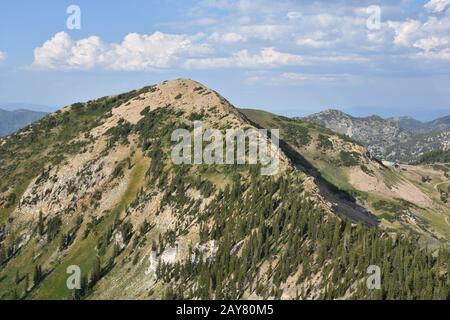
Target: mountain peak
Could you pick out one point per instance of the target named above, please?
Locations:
(97, 184)
(186, 95)
(333, 111)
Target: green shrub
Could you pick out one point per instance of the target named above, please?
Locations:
(435, 156)
(53, 228)
(324, 142)
(349, 159)
(389, 206)
(297, 134)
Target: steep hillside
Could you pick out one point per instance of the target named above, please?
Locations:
(415, 126)
(11, 121)
(410, 124)
(378, 134)
(439, 124)
(93, 187)
(402, 197)
(437, 156)
(420, 144)
(388, 139)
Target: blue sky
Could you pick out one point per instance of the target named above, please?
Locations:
(288, 57)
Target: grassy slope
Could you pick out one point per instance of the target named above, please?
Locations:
(333, 173)
(83, 252)
(435, 218)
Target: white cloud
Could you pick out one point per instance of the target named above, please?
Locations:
(61, 52)
(2, 56)
(135, 52)
(207, 21)
(220, 4)
(339, 58)
(443, 55)
(294, 76)
(233, 37)
(405, 32)
(240, 5)
(264, 31)
(247, 34)
(437, 5)
(266, 58)
(294, 15)
(229, 37)
(315, 40)
(432, 43)
(159, 50)
(429, 39)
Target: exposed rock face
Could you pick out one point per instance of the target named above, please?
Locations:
(108, 176)
(396, 139)
(94, 186)
(414, 126)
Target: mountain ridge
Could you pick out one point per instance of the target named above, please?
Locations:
(93, 186)
(11, 121)
(415, 126)
(398, 139)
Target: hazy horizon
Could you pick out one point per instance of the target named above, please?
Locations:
(389, 59)
(290, 112)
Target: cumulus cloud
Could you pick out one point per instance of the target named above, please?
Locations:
(248, 31)
(431, 37)
(228, 37)
(249, 35)
(313, 43)
(318, 39)
(267, 57)
(135, 52)
(432, 43)
(61, 52)
(154, 51)
(437, 5)
(2, 56)
(294, 76)
(405, 32)
(264, 31)
(286, 78)
(443, 55)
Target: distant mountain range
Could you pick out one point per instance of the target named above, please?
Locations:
(26, 106)
(415, 126)
(11, 121)
(399, 138)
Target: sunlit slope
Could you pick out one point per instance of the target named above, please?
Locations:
(404, 197)
(94, 187)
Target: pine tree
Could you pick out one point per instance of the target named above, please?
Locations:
(96, 272)
(26, 282)
(37, 275)
(40, 224)
(17, 277)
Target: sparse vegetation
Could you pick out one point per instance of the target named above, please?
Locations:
(389, 206)
(349, 159)
(437, 156)
(298, 134)
(324, 142)
(213, 231)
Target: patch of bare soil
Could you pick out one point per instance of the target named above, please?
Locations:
(404, 190)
